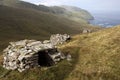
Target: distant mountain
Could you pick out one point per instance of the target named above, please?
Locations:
(31, 21)
(80, 13)
(23, 5)
(20, 20)
(70, 12)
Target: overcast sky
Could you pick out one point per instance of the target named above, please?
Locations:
(90, 5)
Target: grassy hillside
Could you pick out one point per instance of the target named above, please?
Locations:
(23, 4)
(95, 56)
(99, 54)
(20, 20)
(17, 23)
(70, 12)
(77, 14)
(26, 21)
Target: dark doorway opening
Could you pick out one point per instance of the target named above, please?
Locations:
(44, 59)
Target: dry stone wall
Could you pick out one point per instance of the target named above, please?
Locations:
(22, 55)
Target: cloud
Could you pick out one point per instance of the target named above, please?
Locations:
(90, 5)
(49, 2)
(55, 2)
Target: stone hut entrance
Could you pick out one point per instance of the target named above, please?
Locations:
(25, 54)
(44, 59)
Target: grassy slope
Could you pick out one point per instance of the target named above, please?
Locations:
(99, 55)
(95, 56)
(26, 20)
(18, 24)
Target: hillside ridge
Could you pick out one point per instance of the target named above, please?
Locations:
(70, 12)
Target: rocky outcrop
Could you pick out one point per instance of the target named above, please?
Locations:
(86, 31)
(24, 54)
(59, 39)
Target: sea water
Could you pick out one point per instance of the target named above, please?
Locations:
(106, 19)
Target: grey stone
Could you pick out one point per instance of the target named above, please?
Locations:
(59, 39)
(24, 54)
(46, 41)
(69, 57)
(86, 31)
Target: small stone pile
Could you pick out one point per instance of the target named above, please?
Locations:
(59, 39)
(24, 54)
